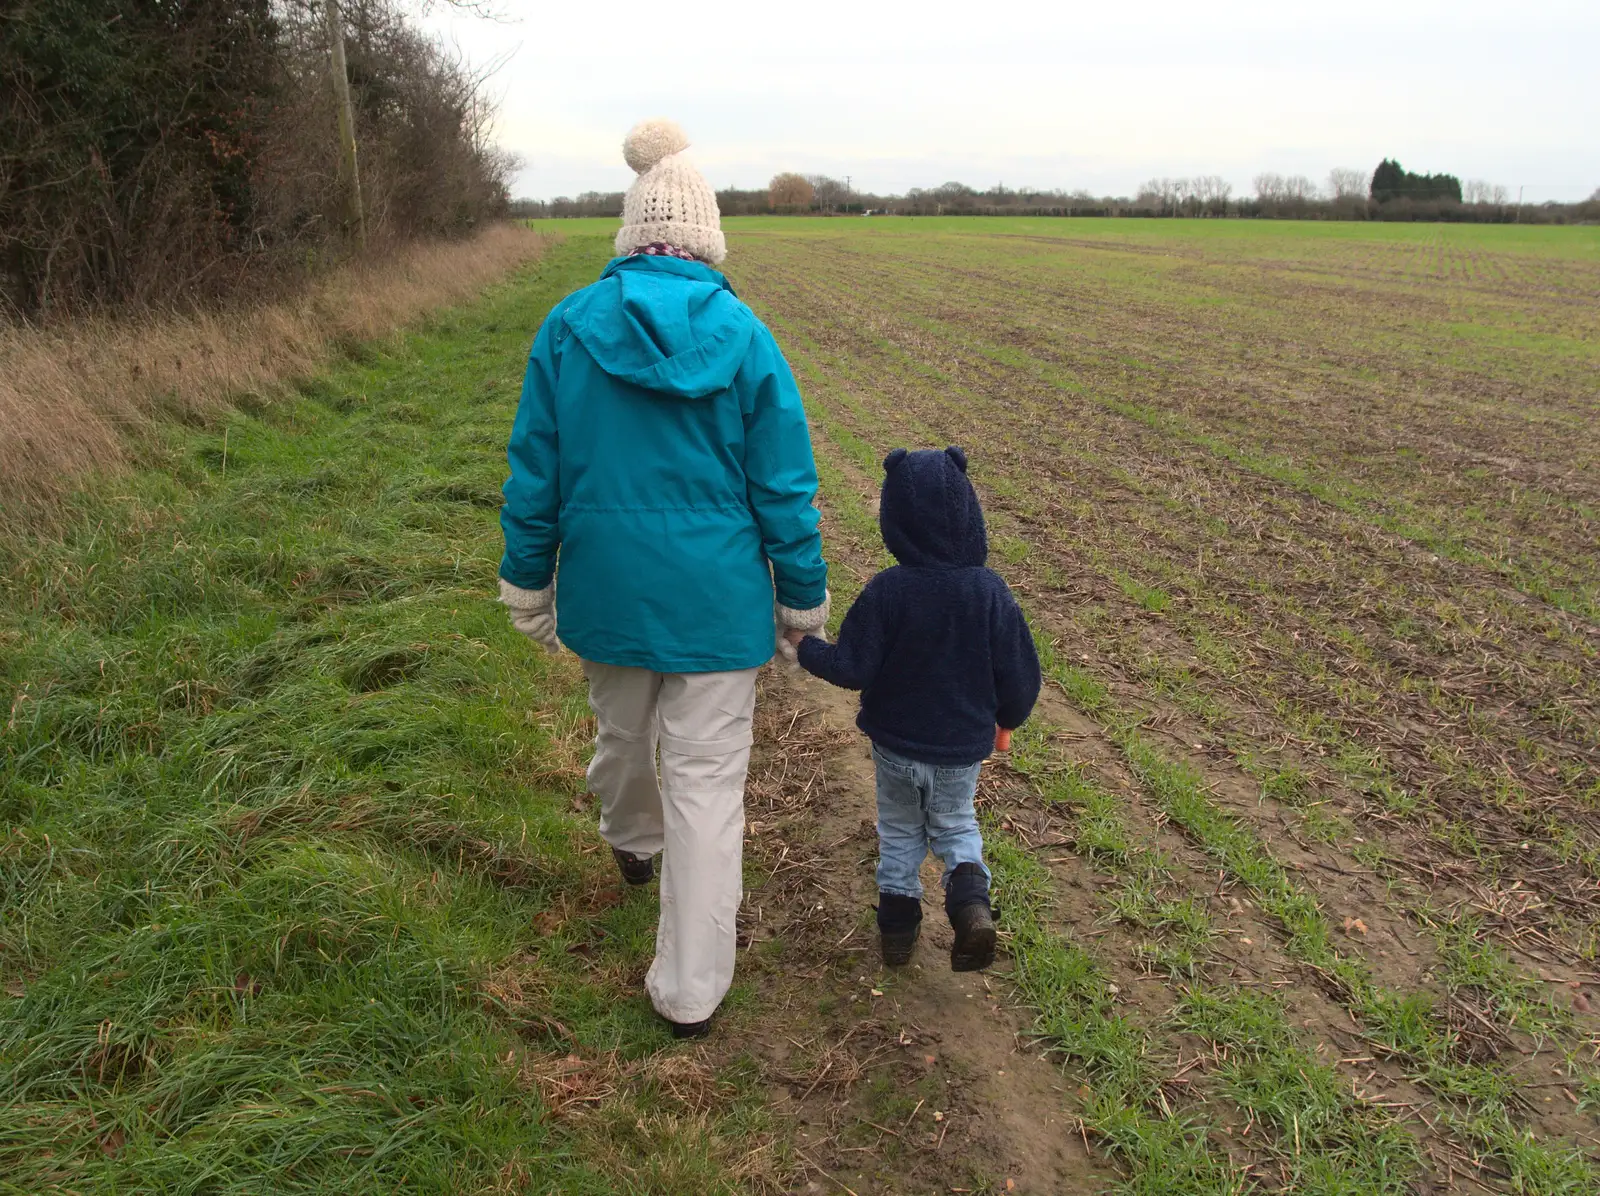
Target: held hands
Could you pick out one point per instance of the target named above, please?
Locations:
(1002, 740)
(789, 643)
(795, 625)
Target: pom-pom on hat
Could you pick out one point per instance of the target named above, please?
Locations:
(670, 201)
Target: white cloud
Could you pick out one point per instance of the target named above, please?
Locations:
(900, 95)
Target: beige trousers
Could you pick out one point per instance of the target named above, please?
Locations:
(692, 811)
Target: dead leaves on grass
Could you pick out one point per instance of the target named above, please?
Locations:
(838, 1067)
(655, 1121)
(788, 772)
(571, 1085)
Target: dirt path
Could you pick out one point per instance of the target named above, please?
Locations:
(910, 1080)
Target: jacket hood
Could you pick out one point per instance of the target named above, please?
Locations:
(929, 513)
(668, 325)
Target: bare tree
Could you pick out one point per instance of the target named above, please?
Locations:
(1299, 188)
(1211, 192)
(827, 193)
(1345, 182)
(1480, 191)
(1165, 194)
(1197, 196)
(789, 191)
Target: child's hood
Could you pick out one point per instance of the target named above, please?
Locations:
(929, 514)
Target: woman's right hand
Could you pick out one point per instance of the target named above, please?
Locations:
(533, 612)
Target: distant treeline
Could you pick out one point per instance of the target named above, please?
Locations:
(1391, 193)
(153, 153)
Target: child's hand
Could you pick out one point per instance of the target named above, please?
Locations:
(794, 635)
(1002, 740)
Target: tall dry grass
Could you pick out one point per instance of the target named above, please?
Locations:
(75, 400)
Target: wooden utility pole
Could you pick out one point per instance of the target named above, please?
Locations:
(349, 175)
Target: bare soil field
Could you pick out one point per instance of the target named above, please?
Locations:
(1306, 520)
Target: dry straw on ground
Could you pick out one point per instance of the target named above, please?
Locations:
(73, 400)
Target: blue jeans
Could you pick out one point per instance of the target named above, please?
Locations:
(922, 806)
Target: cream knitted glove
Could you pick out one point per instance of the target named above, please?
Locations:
(533, 612)
(812, 622)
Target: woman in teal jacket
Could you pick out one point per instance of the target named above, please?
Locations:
(662, 482)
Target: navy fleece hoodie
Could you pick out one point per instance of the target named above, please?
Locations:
(937, 645)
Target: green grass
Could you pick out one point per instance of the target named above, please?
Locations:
(293, 896)
(1406, 1026)
(1323, 1139)
(1329, 1142)
(1486, 1109)
(1472, 961)
(1158, 1153)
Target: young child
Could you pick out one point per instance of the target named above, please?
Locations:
(946, 668)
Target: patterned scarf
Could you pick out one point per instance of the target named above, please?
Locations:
(662, 249)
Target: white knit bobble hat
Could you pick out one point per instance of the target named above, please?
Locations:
(670, 201)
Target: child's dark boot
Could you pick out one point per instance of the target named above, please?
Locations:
(899, 919)
(966, 902)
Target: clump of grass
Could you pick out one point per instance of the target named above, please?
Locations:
(1329, 1141)
(1473, 962)
(1013, 550)
(1151, 598)
(1083, 689)
(1182, 928)
(1098, 826)
(1289, 785)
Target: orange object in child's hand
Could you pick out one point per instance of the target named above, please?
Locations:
(1002, 740)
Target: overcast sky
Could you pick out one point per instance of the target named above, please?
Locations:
(1050, 94)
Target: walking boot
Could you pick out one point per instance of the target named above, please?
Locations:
(690, 1029)
(966, 903)
(899, 919)
(635, 869)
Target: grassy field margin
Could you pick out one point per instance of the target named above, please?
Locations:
(296, 890)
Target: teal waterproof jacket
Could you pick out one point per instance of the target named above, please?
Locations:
(660, 453)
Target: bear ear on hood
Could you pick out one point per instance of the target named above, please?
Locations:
(958, 456)
(894, 458)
